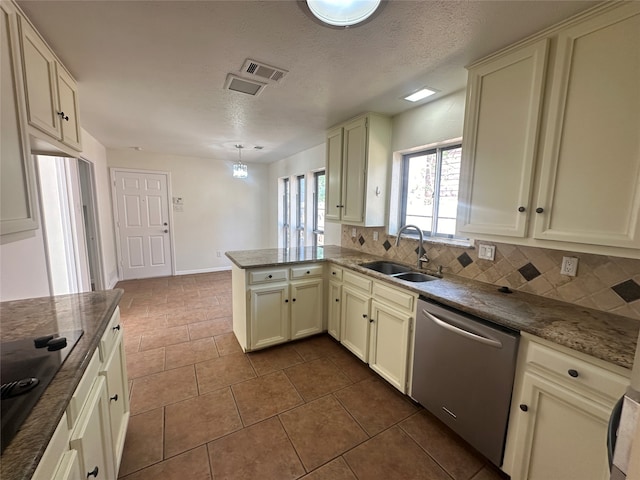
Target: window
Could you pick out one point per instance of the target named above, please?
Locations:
(430, 181)
(286, 222)
(318, 208)
(300, 210)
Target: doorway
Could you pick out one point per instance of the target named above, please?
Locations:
(63, 224)
(141, 210)
(91, 224)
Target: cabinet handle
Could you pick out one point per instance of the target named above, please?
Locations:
(166, 231)
(337, 299)
(63, 116)
(364, 315)
(539, 210)
(269, 276)
(114, 398)
(93, 473)
(308, 272)
(371, 320)
(286, 300)
(333, 273)
(573, 373)
(339, 206)
(293, 300)
(523, 407)
(117, 327)
(521, 209)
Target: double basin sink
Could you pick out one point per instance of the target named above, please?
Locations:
(401, 272)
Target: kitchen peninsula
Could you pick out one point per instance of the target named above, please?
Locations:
(93, 370)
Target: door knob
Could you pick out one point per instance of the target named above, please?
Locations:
(573, 373)
(521, 209)
(539, 210)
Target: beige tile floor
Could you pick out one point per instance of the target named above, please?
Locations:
(202, 409)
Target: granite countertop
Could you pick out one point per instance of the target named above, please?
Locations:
(32, 317)
(602, 335)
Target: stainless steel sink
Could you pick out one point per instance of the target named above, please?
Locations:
(415, 277)
(396, 270)
(388, 268)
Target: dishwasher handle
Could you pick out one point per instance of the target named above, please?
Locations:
(464, 333)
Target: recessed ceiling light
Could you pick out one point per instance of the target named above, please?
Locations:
(419, 95)
(343, 13)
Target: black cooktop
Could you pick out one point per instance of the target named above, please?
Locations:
(27, 367)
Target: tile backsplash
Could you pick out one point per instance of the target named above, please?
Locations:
(610, 284)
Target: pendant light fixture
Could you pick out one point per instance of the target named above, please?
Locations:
(239, 168)
(343, 13)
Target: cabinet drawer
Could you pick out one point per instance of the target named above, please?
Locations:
(110, 336)
(307, 271)
(335, 273)
(79, 397)
(393, 296)
(266, 276)
(357, 281)
(576, 371)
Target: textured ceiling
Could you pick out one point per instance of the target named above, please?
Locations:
(151, 73)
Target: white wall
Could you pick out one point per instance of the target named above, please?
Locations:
(433, 122)
(96, 153)
(23, 266)
(304, 162)
(220, 213)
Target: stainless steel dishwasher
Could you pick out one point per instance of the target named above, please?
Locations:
(463, 371)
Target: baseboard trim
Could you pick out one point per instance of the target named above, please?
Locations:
(203, 270)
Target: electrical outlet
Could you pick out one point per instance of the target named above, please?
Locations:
(375, 236)
(569, 266)
(353, 233)
(487, 252)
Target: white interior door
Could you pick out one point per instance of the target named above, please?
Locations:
(143, 224)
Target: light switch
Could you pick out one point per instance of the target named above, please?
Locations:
(487, 252)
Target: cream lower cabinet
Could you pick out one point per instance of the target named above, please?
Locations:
(91, 437)
(276, 305)
(356, 310)
(59, 462)
(377, 321)
(560, 409)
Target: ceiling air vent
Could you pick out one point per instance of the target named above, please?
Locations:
(242, 85)
(264, 71)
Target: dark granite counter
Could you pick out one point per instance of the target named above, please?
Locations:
(602, 335)
(28, 318)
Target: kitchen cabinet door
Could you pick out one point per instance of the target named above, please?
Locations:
(355, 322)
(334, 308)
(353, 171)
(269, 315)
(69, 468)
(389, 348)
(589, 183)
(114, 371)
(70, 125)
(92, 435)
(561, 433)
(40, 82)
(504, 102)
(307, 307)
(334, 175)
(17, 178)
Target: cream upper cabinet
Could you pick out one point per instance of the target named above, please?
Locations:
(334, 174)
(17, 179)
(551, 153)
(504, 101)
(50, 92)
(590, 180)
(560, 409)
(358, 158)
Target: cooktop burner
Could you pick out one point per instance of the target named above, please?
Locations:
(27, 367)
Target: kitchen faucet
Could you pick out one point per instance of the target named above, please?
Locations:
(422, 258)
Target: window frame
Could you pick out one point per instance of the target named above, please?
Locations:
(404, 184)
(317, 231)
(286, 212)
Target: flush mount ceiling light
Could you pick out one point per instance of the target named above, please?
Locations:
(342, 13)
(239, 168)
(420, 94)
